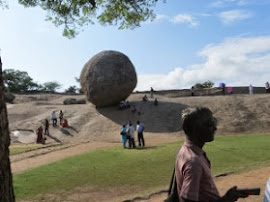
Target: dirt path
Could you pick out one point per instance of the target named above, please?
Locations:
(39, 157)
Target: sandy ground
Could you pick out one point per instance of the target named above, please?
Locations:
(92, 128)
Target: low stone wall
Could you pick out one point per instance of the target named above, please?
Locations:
(206, 91)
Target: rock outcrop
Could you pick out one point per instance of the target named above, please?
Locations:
(70, 101)
(9, 97)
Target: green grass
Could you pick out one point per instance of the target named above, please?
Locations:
(146, 169)
(14, 150)
(19, 150)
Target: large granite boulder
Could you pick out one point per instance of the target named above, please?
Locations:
(107, 78)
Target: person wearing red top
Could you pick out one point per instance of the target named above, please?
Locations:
(192, 167)
(65, 123)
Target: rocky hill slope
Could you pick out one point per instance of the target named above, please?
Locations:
(236, 114)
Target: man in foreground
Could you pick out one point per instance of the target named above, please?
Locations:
(192, 168)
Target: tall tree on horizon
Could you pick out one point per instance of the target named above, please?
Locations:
(6, 186)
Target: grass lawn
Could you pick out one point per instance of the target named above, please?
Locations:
(18, 149)
(148, 169)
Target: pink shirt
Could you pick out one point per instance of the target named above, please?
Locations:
(193, 174)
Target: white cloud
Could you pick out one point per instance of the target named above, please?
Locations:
(233, 15)
(160, 17)
(237, 61)
(224, 3)
(185, 18)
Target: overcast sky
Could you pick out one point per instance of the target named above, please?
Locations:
(189, 42)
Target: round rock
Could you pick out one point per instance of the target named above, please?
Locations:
(107, 78)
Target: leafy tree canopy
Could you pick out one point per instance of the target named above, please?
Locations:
(3, 4)
(206, 84)
(71, 14)
(72, 89)
(18, 81)
(51, 86)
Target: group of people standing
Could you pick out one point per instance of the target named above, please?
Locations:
(128, 134)
(40, 135)
(54, 117)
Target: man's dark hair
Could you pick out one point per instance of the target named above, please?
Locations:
(193, 118)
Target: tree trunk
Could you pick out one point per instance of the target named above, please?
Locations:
(6, 188)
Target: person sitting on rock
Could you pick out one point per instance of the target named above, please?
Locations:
(145, 99)
(127, 104)
(65, 123)
(122, 104)
(133, 110)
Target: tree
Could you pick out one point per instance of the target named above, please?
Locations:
(78, 80)
(18, 81)
(206, 84)
(51, 86)
(72, 14)
(72, 89)
(6, 188)
(198, 86)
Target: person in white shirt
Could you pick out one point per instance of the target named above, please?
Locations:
(131, 131)
(140, 129)
(250, 89)
(53, 118)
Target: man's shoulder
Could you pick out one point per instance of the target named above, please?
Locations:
(188, 155)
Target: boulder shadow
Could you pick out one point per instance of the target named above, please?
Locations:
(165, 117)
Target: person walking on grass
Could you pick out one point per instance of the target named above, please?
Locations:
(140, 129)
(192, 167)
